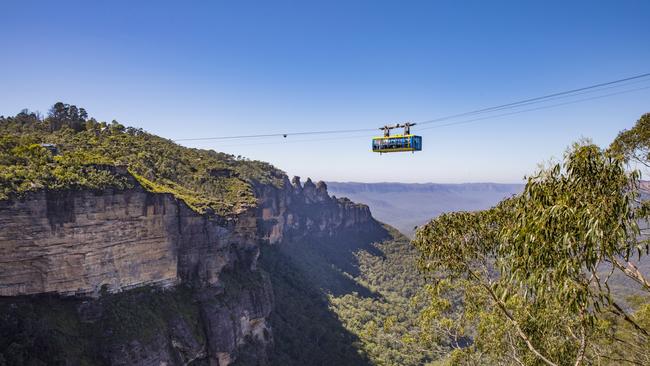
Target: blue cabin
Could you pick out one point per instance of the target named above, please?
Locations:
(397, 143)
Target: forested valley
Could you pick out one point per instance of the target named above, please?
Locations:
(555, 275)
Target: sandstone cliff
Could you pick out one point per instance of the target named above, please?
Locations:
(85, 245)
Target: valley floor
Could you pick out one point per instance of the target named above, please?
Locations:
(347, 302)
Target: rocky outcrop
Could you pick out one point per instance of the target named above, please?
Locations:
(82, 244)
(296, 211)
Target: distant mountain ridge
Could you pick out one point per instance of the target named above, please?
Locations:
(407, 205)
(421, 187)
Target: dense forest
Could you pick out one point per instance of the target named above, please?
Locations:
(352, 301)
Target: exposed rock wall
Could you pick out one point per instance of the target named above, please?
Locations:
(78, 242)
(82, 243)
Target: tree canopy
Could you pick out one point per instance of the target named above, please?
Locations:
(634, 144)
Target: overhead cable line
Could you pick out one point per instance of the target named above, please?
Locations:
(536, 108)
(512, 105)
(456, 122)
(277, 135)
(283, 141)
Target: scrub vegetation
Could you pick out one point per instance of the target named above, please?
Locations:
(68, 150)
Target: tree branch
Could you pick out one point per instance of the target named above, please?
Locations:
(616, 359)
(633, 272)
(621, 312)
(583, 342)
(514, 322)
(514, 351)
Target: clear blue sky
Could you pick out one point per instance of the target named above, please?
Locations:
(191, 69)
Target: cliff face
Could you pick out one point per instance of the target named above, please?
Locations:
(85, 245)
(80, 242)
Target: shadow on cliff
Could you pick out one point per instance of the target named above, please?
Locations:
(303, 272)
(331, 265)
(130, 327)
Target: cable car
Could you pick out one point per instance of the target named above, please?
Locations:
(397, 143)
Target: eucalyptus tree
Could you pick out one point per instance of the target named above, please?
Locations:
(532, 274)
